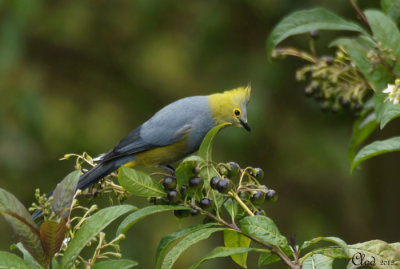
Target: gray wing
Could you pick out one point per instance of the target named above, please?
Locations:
(166, 127)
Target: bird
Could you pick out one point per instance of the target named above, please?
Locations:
(172, 133)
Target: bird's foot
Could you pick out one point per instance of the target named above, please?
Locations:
(168, 167)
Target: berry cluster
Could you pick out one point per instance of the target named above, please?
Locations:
(197, 193)
(335, 82)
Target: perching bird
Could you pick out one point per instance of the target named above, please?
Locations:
(174, 132)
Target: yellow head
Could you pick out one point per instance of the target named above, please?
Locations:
(231, 106)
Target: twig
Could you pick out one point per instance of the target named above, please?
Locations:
(360, 13)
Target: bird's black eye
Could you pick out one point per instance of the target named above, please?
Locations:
(237, 112)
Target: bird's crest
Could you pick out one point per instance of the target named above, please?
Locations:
(241, 94)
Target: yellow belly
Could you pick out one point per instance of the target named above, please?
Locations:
(161, 155)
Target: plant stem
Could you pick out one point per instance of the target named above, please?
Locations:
(273, 248)
(360, 13)
(295, 52)
(243, 205)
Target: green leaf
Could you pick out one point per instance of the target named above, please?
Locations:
(205, 150)
(267, 258)
(232, 207)
(221, 252)
(305, 21)
(386, 32)
(52, 234)
(335, 240)
(385, 111)
(115, 264)
(185, 243)
(376, 148)
(318, 261)
(90, 228)
(264, 229)
(32, 263)
(168, 240)
(392, 9)
(380, 251)
(362, 129)
(64, 193)
(131, 219)
(185, 170)
(9, 260)
(139, 183)
(385, 255)
(22, 224)
(233, 239)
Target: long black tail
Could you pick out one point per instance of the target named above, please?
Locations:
(92, 176)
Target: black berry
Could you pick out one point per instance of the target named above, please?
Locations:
(183, 190)
(224, 185)
(173, 196)
(234, 169)
(196, 182)
(314, 34)
(271, 195)
(169, 183)
(258, 173)
(214, 181)
(195, 212)
(259, 212)
(258, 198)
(205, 203)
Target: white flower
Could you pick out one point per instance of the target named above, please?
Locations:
(393, 92)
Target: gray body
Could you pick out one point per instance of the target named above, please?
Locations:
(189, 116)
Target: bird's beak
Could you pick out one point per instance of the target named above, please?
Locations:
(245, 124)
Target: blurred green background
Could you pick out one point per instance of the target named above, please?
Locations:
(79, 75)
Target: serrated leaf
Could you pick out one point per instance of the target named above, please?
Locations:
(376, 148)
(139, 183)
(90, 228)
(205, 150)
(184, 171)
(22, 224)
(233, 239)
(64, 193)
(52, 234)
(332, 239)
(221, 252)
(185, 243)
(267, 258)
(386, 32)
(169, 239)
(32, 263)
(318, 261)
(131, 219)
(392, 9)
(305, 21)
(117, 264)
(264, 229)
(9, 260)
